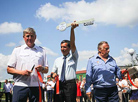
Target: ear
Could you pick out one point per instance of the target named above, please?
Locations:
(99, 50)
(35, 36)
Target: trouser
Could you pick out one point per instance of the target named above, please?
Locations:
(43, 94)
(125, 97)
(120, 96)
(20, 94)
(49, 95)
(8, 95)
(106, 94)
(83, 95)
(67, 91)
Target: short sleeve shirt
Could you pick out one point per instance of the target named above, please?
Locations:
(24, 58)
(71, 65)
(100, 73)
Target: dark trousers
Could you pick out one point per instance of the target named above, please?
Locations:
(8, 95)
(43, 93)
(67, 91)
(106, 94)
(49, 95)
(83, 95)
(125, 97)
(20, 94)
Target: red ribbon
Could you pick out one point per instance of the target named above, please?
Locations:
(123, 71)
(41, 80)
(57, 84)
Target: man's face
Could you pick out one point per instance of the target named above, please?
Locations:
(65, 49)
(29, 39)
(104, 51)
(6, 81)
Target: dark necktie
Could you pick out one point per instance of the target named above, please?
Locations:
(63, 70)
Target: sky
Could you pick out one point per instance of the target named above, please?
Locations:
(115, 21)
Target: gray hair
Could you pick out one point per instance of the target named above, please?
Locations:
(100, 44)
(29, 30)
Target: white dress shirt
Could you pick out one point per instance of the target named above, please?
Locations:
(24, 58)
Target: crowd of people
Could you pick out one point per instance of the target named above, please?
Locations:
(126, 91)
(29, 62)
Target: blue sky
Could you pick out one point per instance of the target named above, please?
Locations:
(116, 21)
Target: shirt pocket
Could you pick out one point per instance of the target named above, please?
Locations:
(24, 57)
(71, 63)
(38, 59)
(23, 61)
(97, 66)
(111, 67)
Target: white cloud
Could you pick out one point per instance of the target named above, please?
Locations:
(124, 58)
(11, 44)
(119, 12)
(135, 45)
(50, 52)
(37, 42)
(6, 28)
(21, 42)
(85, 55)
(3, 65)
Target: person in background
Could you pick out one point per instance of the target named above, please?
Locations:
(65, 67)
(43, 91)
(7, 90)
(125, 88)
(11, 87)
(53, 85)
(21, 63)
(83, 92)
(102, 71)
(119, 86)
(134, 91)
(78, 83)
(49, 90)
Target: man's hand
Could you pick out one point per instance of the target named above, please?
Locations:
(26, 72)
(42, 69)
(54, 75)
(89, 95)
(74, 25)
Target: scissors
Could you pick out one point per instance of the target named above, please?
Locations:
(32, 67)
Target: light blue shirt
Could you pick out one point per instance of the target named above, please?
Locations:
(71, 65)
(100, 73)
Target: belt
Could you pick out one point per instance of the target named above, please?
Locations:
(68, 81)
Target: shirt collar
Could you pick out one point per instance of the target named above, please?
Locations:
(66, 56)
(26, 47)
(97, 56)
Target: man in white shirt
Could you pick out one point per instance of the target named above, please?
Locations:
(7, 89)
(49, 90)
(23, 63)
(119, 86)
(65, 66)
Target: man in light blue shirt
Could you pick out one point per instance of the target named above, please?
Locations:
(65, 67)
(102, 71)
